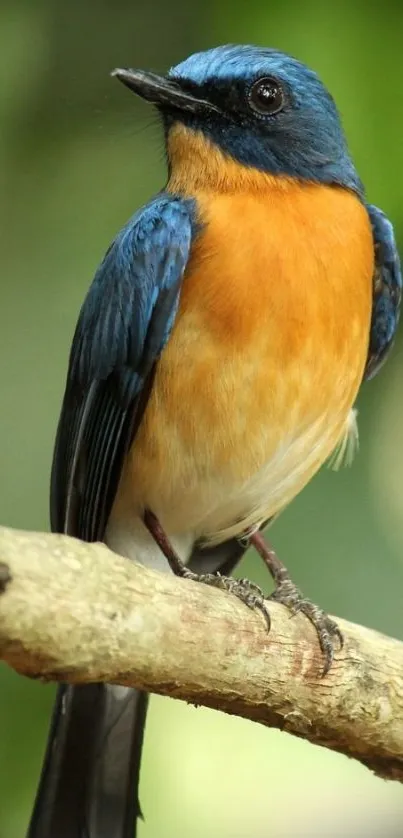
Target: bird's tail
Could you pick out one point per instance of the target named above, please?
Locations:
(88, 787)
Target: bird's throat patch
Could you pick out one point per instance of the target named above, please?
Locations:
(197, 164)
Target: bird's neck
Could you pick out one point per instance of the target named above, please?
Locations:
(198, 165)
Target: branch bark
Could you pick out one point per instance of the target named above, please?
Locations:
(76, 612)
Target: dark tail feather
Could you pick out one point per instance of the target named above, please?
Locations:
(88, 787)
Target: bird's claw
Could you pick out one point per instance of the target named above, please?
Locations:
(243, 589)
(326, 629)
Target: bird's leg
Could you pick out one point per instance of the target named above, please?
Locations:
(243, 589)
(289, 595)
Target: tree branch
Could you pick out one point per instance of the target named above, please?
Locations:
(76, 612)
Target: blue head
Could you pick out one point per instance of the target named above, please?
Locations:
(261, 107)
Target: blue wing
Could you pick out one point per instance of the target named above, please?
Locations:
(387, 292)
(124, 323)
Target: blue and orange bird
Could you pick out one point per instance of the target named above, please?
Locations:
(214, 369)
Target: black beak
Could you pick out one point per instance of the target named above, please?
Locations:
(162, 91)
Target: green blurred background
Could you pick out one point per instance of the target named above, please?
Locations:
(79, 155)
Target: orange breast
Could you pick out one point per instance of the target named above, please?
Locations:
(254, 388)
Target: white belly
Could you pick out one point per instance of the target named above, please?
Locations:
(211, 511)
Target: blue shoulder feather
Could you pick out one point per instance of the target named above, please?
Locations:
(140, 275)
(123, 326)
(387, 292)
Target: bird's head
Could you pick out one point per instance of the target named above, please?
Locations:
(258, 107)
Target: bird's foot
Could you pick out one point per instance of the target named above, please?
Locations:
(250, 594)
(245, 590)
(326, 629)
(286, 593)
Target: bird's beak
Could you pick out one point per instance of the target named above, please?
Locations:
(162, 91)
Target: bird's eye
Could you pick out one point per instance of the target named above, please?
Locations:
(266, 96)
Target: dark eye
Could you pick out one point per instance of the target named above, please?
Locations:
(266, 96)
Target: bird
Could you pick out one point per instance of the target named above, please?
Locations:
(214, 368)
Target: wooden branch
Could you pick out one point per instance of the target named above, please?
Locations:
(76, 612)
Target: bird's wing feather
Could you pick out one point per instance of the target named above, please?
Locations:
(387, 292)
(124, 324)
